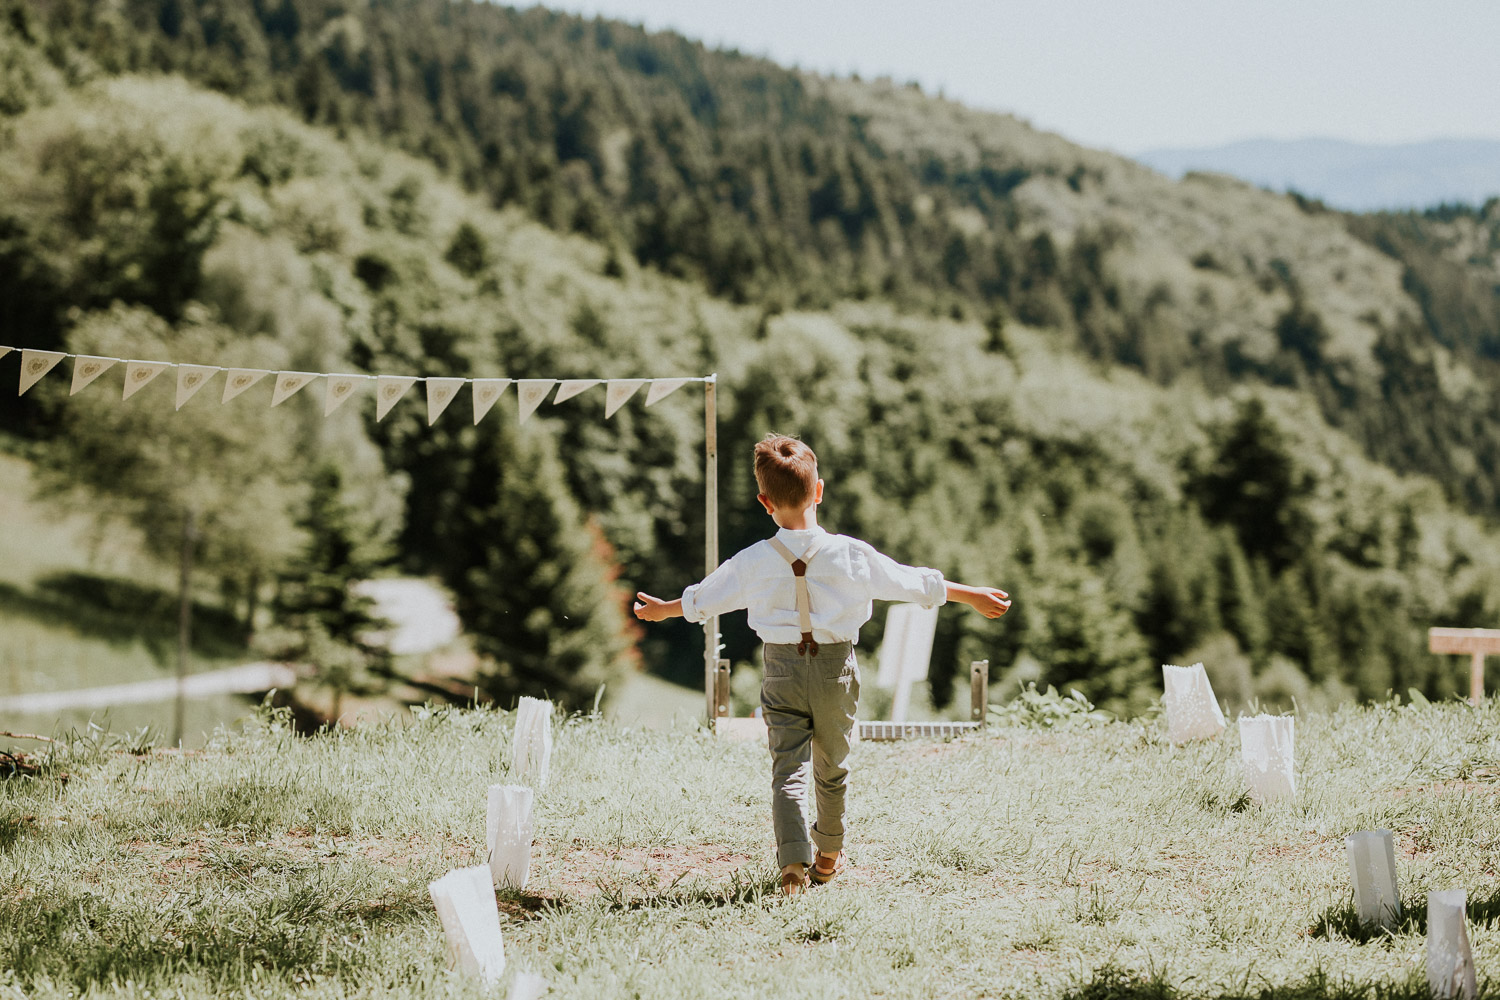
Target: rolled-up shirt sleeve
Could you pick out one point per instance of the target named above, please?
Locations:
(893, 581)
(717, 594)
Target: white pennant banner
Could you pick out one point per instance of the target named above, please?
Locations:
(389, 389)
(440, 392)
(618, 392)
(388, 392)
(237, 380)
(86, 369)
(139, 373)
(486, 391)
(531, 392)
(570, 387)
(35, 364)
(338, 390)
(661, 388)
(191, 378)
(287, 383)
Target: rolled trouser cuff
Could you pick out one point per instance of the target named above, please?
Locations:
(827, 844)
(799, 853)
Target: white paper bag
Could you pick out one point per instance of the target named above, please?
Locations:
(1192, 711)
(1372, 866)
(1267, 752)
(465, 902)
(531, 753)
(1450, 961)
(508, 832)
(527, 986)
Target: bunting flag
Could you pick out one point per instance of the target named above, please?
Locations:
(138, 373)
(618, 392)
(287, 384)
(191, 378)
(440, 392)
(570, 387)
(531, 392)
(486, 391)
(661, 388)
(240, 379)
(388, 392)
(338, 389)
(86, 369)
(35, 364)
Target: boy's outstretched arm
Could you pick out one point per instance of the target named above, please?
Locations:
(987, 601)
(654, 609)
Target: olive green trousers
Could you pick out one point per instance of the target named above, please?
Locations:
(808, 702)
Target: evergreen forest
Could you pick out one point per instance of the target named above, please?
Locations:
(1176, 420)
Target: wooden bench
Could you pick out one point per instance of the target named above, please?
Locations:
(1477, 642)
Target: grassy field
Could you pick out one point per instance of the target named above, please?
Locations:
(1096, 863)
(80, 608)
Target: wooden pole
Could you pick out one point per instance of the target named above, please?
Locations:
(710, 537)
(184, 622)
(979, 690)
(1476, 678)
(721, 690)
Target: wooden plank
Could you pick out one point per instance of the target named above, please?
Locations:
(1476, 679)
(1463, 640)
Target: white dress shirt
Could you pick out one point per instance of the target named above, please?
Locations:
(845, 575)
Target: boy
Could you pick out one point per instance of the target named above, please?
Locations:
(807, 593)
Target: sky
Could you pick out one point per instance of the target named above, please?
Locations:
(1133, 75)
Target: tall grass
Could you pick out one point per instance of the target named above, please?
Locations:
(1091, 863)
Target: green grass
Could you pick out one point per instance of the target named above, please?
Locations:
(81, 608)
(1090, 863)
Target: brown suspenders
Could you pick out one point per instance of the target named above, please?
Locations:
(804, 604)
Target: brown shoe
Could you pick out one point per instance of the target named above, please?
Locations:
(793, 878)
(826, 866)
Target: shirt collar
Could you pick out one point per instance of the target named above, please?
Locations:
(797, 539)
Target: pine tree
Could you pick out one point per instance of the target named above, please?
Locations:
(323, 619)
(530, 577)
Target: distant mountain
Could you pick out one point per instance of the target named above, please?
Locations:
(1351, 175)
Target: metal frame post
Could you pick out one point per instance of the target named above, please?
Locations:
(710, 538)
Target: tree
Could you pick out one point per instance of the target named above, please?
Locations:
(324, 620)
(1253, 484)
(217, 486)
(530, 575)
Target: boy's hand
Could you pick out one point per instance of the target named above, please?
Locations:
(990, 602)
(987, 601)
(652, 609)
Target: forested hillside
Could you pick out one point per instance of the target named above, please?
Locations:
(1172, 418)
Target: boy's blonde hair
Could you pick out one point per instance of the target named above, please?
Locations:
(786, 470)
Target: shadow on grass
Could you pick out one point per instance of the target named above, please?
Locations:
(744, 887)
(1342, 921)
(1114, 984)
(121, 612)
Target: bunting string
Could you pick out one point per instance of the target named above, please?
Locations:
(340, 387)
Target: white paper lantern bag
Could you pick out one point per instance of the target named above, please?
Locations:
(531, 753)
(1192, 711)
(1372, 867)
(508, 832)
(465, 902)
(1450, 961)
(527, 986)
(1267, 752)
